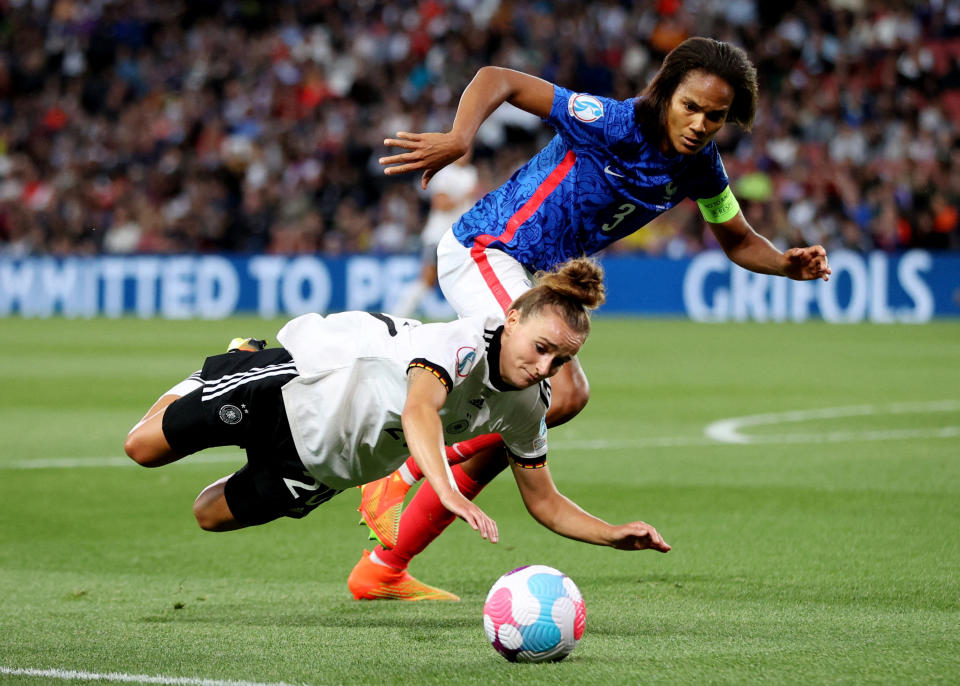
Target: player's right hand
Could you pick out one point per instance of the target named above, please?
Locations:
(638, 536)
(471, 514)
(430, 152)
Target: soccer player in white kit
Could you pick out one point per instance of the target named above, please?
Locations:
(453, 191)
(349, 396)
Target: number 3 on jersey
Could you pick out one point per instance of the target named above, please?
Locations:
(626, 209)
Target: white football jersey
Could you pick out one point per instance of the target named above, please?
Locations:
(344, 407)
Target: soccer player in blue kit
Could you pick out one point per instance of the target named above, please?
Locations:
(612, 167)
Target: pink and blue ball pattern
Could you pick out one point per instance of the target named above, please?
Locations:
(534, 614)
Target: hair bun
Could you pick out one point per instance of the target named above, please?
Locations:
(579, 279)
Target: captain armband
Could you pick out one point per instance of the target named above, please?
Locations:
(719, 208)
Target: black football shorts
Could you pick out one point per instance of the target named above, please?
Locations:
(240, 403)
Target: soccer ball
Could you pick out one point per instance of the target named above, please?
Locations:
(534, 614)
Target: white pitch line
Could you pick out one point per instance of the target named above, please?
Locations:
(858, 436)
(721, 431)
(780, 439)
(728, 430)
(72, 675)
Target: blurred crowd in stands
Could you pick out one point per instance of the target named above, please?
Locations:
(255, 125)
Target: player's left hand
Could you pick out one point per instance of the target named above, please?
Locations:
(638, 536)
(805, 264)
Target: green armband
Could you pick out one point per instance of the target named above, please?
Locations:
(719, 208)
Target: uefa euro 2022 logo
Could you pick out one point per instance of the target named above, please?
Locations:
(584, 107)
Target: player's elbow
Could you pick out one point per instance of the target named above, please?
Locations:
(503, 82)
(490, 72)
(411, 417)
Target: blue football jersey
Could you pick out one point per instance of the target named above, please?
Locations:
(596, 181)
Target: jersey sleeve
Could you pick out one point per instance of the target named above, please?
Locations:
(582, 119)
(708, 175)
(711, 187)
(526, 440)
(447, 350)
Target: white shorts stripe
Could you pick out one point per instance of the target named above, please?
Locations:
(216, 392)
(228, 378)
(220, 387)
(464, 286)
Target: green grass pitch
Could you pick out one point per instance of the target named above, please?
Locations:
(816, 533)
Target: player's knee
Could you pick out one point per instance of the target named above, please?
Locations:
(211, 510)
(567, 404)
(206, 517)
(140, 451)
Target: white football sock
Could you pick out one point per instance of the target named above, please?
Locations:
(187, 385)
(377, 560)
(405, 474)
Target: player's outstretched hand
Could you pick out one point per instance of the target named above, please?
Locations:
(804, 264)
(471, 514)
(430, 152)
(638, 536)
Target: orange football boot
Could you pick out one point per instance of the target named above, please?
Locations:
(372, 581)
(246, 345)
(381, 503)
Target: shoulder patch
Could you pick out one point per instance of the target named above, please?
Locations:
(466, 357)
(541, 441)
(585, 108)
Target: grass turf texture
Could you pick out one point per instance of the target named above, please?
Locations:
(807, 561)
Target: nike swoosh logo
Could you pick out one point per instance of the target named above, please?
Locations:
(612, 173)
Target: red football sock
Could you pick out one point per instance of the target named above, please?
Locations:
(458, 452)
(424, 519)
